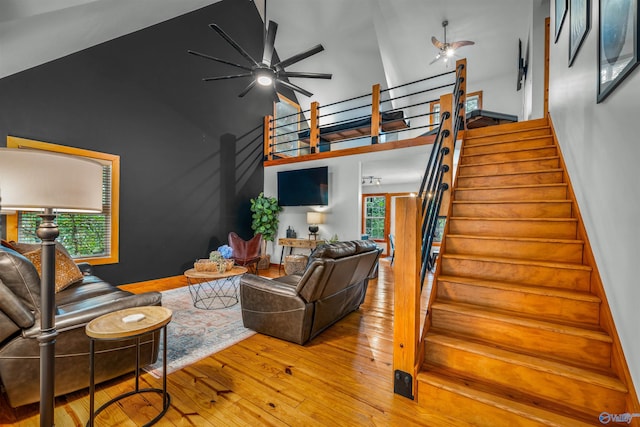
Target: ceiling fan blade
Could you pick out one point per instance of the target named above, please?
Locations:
(247, 89)
(223, 61)
(233, 43)
(438, 56)
(269, 41)
(303, 74)
(300, 56)
(294, 87)
(461, 43)
(231, 76)
(274, 94)
(437, 43)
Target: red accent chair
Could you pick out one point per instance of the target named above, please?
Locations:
(246, 252)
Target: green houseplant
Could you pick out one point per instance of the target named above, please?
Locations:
(264, 220)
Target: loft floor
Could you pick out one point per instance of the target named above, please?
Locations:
(343, 377)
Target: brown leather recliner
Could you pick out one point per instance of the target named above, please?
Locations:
(75, 307)
(298, 307)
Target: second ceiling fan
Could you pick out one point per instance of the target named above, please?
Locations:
(447, 50)
(265, 72)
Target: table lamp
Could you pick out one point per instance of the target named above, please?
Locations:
(36, 180)
(313, 219)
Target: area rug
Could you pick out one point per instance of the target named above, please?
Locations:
(194, 334)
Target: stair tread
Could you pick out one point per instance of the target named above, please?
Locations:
(514, 401)
(485, 202)
(470, 135)
(470, 218)
(518, 239)
(533, 289)
(535, 159)
(584, 331)
(516, 150)
(513, 187)
(581, 374)
(555, 170)
(550, 264)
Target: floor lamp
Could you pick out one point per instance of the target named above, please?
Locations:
(41, 181)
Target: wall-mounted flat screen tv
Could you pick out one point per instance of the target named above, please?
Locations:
(304, 187)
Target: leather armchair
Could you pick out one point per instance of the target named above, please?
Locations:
(76, 305)
(246, 252)
(298, 307)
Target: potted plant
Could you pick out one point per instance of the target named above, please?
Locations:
(264, 219)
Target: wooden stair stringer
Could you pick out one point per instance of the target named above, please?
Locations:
(541, 298)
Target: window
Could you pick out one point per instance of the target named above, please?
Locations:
(88, 237)
(474, 102)
(375, 217)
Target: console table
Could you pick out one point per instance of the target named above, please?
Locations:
(297, 243)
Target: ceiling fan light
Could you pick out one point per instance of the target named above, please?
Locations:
(449, 52)
(264, 80)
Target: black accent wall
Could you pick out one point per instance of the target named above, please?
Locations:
(191, 151)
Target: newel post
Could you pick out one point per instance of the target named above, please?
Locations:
(406, 306)
(314, 131)
(375, 113)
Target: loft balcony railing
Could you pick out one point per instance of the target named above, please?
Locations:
(383, 115)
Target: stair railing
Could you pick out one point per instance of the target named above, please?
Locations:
(416, 224)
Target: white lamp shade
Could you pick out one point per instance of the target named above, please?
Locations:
(314, 218)
(34, 179)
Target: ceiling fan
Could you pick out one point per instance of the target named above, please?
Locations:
(265, 72)
(447, 50)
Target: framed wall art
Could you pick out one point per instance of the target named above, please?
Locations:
(617, 43)
(561, 11)
(579, 24)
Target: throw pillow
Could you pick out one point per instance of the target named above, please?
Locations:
(67, 272)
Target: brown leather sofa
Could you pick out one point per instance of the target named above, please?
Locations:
(76, 305)
(298, 307)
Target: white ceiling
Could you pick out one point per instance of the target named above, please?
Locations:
(366, 41)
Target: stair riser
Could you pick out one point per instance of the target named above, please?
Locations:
(517, 228)
(543, 251)
(545, 306)
(545, 384)
(532, 178)
(508, 127)
(558, 209)
(555, 192)
(509, 167)
(505, 147)
(508, 137)
(469, 410)
(545, 342)
(566, 278)
(533, 153)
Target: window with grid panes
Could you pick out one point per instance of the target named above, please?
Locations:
(374, 217)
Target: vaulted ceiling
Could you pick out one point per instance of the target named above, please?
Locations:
(366, 41)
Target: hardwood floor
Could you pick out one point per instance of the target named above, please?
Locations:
(343, 377)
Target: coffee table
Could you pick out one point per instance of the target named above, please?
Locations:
(212, 290)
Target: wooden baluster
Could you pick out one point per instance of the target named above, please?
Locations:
(446, 104)
(375, 114)
(266, 135)
(463, 97)
(406, 309)
(314, 132)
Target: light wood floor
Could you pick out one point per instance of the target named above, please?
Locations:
(343, 377)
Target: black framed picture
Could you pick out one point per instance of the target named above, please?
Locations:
(561, 11)
(617, 43)
(579, 24)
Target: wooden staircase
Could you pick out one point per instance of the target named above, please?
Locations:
(515, 336)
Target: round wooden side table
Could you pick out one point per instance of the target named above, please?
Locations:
(127, 324)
